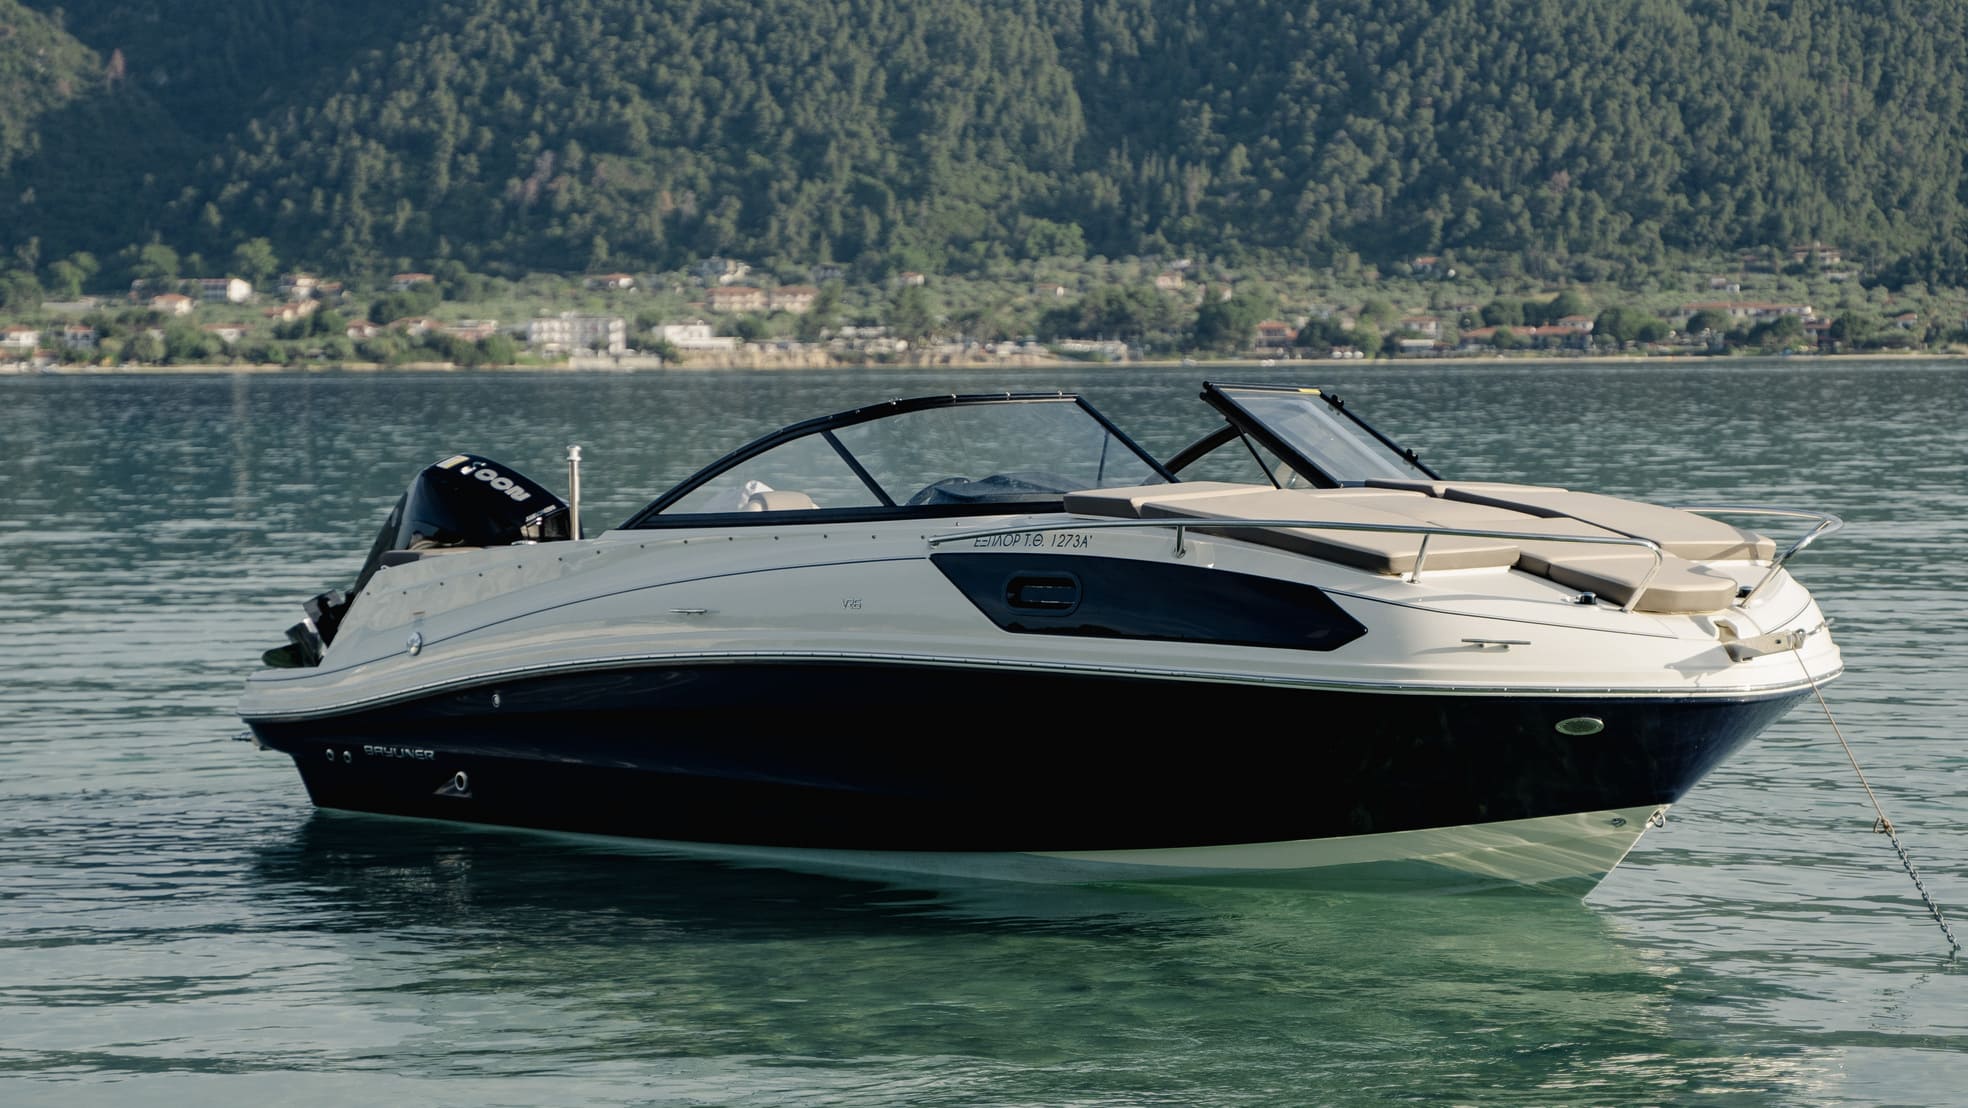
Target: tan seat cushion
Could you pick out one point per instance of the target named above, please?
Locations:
(1680, 588)
(778, 500)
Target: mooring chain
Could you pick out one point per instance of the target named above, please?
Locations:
(1881, 825)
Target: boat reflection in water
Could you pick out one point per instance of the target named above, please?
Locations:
(991, 636)
(721, 982)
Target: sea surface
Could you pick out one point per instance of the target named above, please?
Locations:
(178, 926)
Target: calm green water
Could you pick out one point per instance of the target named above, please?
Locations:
(177, 925)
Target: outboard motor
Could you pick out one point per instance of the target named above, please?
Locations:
(464, 501)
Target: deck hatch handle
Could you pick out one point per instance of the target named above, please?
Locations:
(1055, 593)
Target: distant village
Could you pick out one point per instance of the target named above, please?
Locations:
(308, 320)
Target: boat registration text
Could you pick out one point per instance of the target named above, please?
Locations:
(1033, 540)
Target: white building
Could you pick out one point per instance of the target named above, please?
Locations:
(571, 331)
(227, 290)
(694, 336)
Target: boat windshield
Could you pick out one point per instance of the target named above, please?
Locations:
(1303, 436)
(936, 455)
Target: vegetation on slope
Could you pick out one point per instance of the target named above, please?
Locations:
(1593, 136)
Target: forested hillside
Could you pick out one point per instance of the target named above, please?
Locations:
(41, 70)
(520, 134)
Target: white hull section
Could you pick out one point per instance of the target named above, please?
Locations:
(872, 596)
(1568, 853)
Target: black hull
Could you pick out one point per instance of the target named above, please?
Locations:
(844, 757)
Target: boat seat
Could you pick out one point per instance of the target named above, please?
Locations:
(1680, 587)
(1387, 552)
(1682, 534)
(778, 500)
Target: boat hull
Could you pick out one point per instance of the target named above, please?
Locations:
(1131, 778)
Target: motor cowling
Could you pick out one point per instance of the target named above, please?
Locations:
(463, 501)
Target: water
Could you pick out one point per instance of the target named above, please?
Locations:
(177, 924)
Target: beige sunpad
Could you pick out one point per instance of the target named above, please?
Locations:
(1125, 503)
(1683, 534)
(1389, 552)
(1611, 570)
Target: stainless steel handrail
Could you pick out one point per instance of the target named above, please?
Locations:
(1181, 526)
(1827, 524)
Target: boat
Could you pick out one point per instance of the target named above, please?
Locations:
(992, 635)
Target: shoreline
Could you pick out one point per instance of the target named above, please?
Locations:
(652, 365)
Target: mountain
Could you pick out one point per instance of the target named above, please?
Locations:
(516, 134)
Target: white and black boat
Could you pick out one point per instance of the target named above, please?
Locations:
(993, 635)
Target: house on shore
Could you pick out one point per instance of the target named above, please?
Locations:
(571, 332)
(735, 299)
(224, 290)
(796, 299)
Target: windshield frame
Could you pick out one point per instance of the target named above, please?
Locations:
(825, 428)
(1245, 427)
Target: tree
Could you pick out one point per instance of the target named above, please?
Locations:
(911, 316)
(1623, 325)
(155, 262)
(417, 300)
(73, 273)
(1777, 334)
(1707, 321)
(498, 350)
(1854, 328)
(1230, 324)
(1503, 313)
(329, 322)
(1378, 313)
(145, 348)
(1321, 335)
(263, 351)
(1568, 302)
(385, 348)
(19, 291)
(984, 322)
(254, 260)
(185, 344)
(1128, 313)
